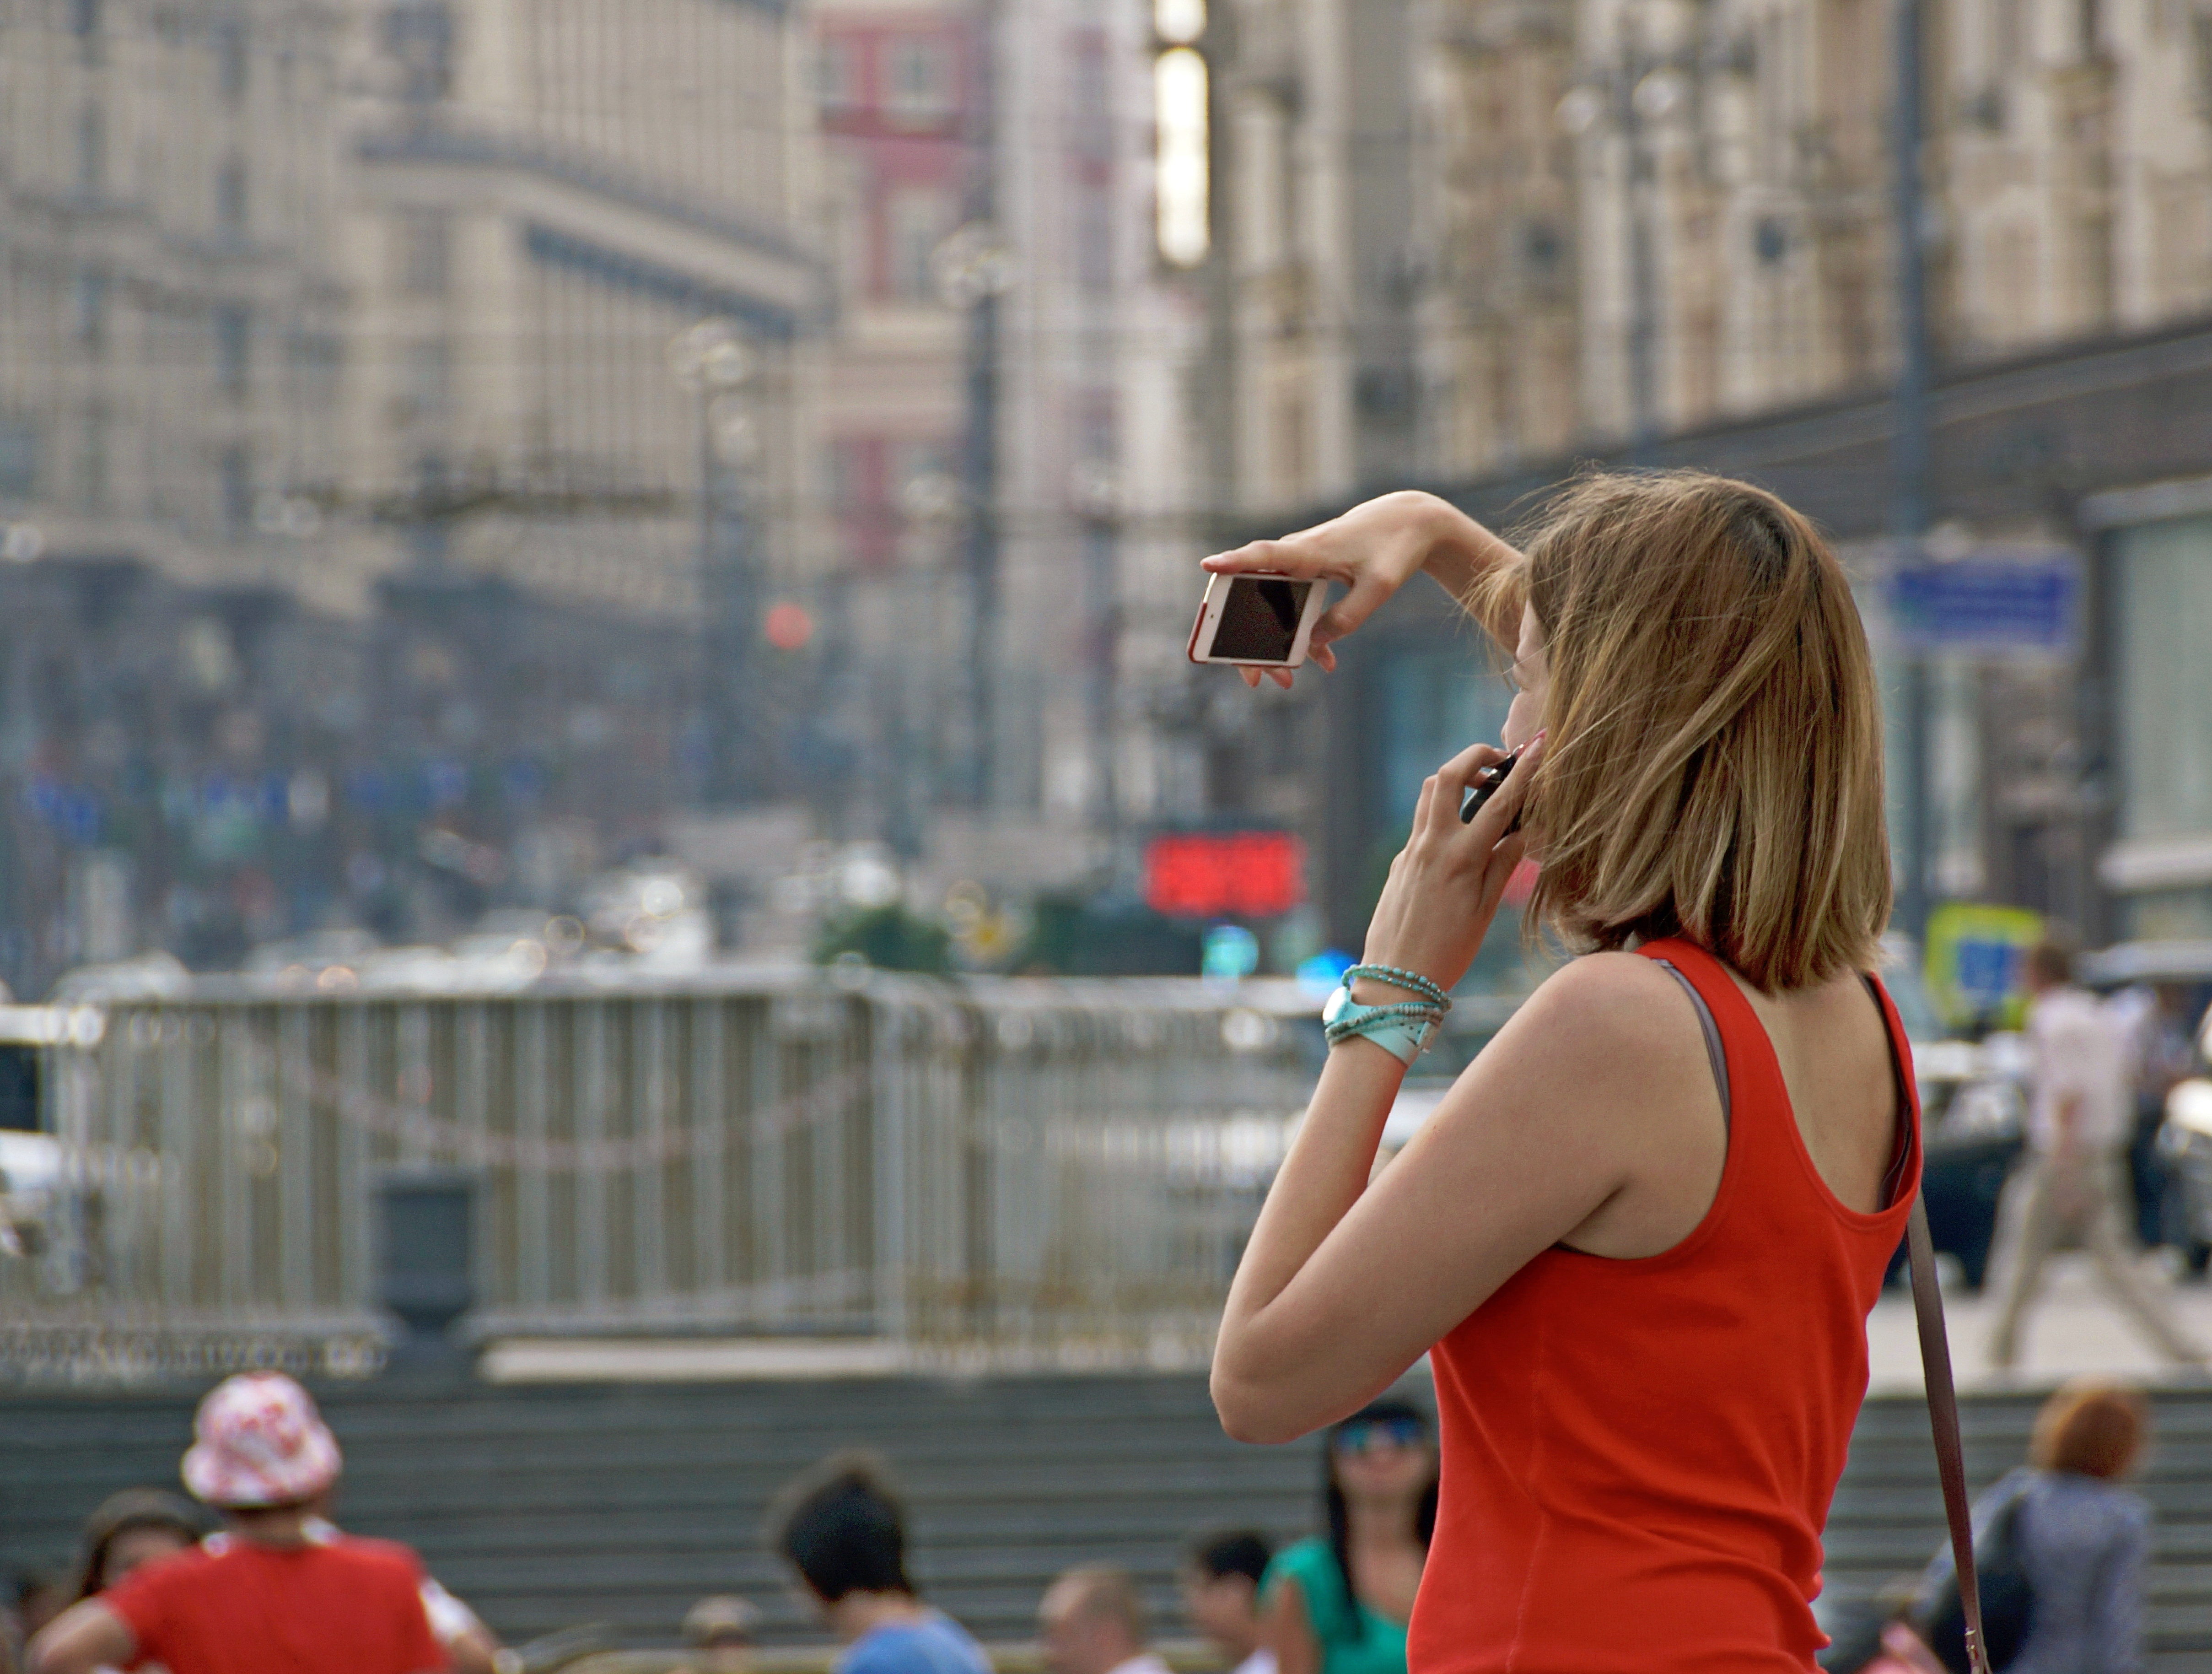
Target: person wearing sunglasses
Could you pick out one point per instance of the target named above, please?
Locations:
(1337, 1603)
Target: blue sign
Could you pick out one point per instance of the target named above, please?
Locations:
(2032, 603)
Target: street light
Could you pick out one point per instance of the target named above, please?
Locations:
(713, 363)
(973, 270)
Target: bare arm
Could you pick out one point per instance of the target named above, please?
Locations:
(1372, 550)
(83, 1638)
(1589, 1089)
(1285, 1630)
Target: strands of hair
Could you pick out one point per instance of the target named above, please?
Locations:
(1713, 758)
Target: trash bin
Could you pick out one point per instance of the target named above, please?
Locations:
(426, 1266)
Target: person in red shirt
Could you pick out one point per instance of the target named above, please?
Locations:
(273, 1593)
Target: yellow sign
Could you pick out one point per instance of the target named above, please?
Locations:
(1977, 961)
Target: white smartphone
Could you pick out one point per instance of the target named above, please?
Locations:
(1262, 621)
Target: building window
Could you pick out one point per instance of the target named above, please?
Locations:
(19, 457)
(230, 198)
(315, 360)
(917, 80)
(427, 375)
(95, 461)
(89, 311)
(419, 36)
(912, 462)
(916, 223)
(2165, 596)
(1094, 239)
(424, 248)
(228, 38)
(237, 477)
(84, 24)
(234, 350)
(91, 150)
(837, 75)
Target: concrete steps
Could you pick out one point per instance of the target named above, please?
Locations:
(547, 1506)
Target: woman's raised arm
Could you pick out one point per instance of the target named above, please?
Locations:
(1372, 550)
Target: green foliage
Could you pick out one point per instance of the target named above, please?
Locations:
(890, 938)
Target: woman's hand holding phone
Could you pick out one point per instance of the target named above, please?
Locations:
(1445, 886)
(1372, 550)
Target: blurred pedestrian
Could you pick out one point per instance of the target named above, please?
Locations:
(720, 1631)
(1221, 1579)
(1339, 1603)
(40, 1596)
(37, 1597)
(2082, 1540)
(2071, 1176)
(131, 1530)
(1092, 1621)
(1640, 1237)
(2161, 1050)
(265, 1596)
(843, 1530)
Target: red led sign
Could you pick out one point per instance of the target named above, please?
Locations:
(1202, 875)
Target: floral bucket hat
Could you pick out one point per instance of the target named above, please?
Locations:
(260, 1442)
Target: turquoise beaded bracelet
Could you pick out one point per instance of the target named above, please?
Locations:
(1411, 980)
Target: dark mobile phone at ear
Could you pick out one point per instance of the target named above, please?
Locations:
(1488, 783)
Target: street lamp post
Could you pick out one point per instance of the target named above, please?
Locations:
(714, 363)
(974, 270)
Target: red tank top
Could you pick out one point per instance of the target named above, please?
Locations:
(1639, 1455)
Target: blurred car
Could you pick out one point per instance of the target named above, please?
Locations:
(2185, 1138)
(1973, 1121)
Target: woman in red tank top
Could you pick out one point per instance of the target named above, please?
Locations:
(1640, 1238)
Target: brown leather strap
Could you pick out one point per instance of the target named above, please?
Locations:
(1943, 1420)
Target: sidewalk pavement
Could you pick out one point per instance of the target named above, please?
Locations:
(2074, 1328)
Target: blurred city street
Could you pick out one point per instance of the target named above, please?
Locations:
(617, 850)
(2076, 1332)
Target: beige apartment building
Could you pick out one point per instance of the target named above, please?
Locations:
(1731, 200)
(1700, 190)
(299, 294)
(546, 195)
(173, 307)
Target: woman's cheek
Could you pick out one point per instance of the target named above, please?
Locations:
(1521, 721)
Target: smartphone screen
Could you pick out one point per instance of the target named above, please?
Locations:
(1260, 619)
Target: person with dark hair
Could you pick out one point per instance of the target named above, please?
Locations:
(131, 1530)
(1221, 1579)
(1339, 1603)
(267, 1595)
(843, 1530)
(2071, 1175)
(2083, 1540)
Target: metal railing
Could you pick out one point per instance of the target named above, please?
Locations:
(1002, 1170)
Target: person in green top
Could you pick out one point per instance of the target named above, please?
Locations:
(1337, 1603)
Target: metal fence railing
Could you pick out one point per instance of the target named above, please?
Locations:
(1056, 1173)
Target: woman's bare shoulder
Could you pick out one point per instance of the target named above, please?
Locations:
(1606, 1003)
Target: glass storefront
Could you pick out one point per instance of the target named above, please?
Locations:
(2162, 598)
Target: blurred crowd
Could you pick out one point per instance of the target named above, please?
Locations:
(252, 1576)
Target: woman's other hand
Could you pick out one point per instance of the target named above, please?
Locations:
(1371, 551)
(1445, 886)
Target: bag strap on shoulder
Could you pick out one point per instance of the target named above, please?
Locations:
(1943, 1421)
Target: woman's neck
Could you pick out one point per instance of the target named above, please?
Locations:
(1378, 1525)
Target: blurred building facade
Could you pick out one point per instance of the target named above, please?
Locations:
(361, 506)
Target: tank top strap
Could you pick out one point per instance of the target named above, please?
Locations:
(1746, 1072)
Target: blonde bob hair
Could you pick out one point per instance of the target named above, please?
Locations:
(1712, 763)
